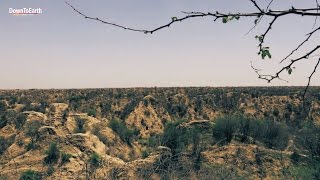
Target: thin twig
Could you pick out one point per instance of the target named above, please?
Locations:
(308, 85)
(301, 44)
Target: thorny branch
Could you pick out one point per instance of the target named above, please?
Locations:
(258, 15)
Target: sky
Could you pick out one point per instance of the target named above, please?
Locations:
(61, 49)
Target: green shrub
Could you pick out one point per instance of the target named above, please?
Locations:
(105, 108)
(225, 127)
(20, 120)
(31, 145)
(3, 144)
(65, 158)
(92, 112)
(95, 160)
(96, 130)
(271, 133)
(152, 141)
(32, 129)
(53, 154)
(80, 123)
(30, 175)
(3, 106)
(10, 117)
(177, 138)
(3, 121)
(295, 157)
(20, 142)
(121, 129)
(309, 137)
(275, 112)
(145, 154)
(6, 142)
(129, 108)
(180, 139)
(310, 170)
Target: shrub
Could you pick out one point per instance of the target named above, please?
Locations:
(65, 115)
(295, 157)
(53, 154)
(20, 142)
(311, 170)
(3, 144)
(152, 141)
(30, 145)
(96, 130)
(3, 121)
(273, 134)
(3, 106)
(105, 108)
(13, 99)
(20, 120)
(275, 112)
(129, 108)
(121, 129)
(145, 154)
(225, 127)
(30, 175)
(269, 132)
(65, 158)
(309, 137)
(6, 142)
(95, 160)
(80, 122)
(245, 128)
(32, 129)
(177, 139)
(92, 112)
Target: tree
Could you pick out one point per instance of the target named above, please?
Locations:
(286, 64)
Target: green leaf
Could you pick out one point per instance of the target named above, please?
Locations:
(256, 21)
(237, 17)
(268, 54)
(289, 71)
(265, 53)
(225, 19)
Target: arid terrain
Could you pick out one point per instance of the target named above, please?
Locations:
(160, 133)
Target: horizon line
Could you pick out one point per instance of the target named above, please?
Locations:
(161, 87)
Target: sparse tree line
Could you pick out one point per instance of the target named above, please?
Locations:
(93, 103)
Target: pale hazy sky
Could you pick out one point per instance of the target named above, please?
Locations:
(60, 49)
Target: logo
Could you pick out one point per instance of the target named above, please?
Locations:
(25, 11)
